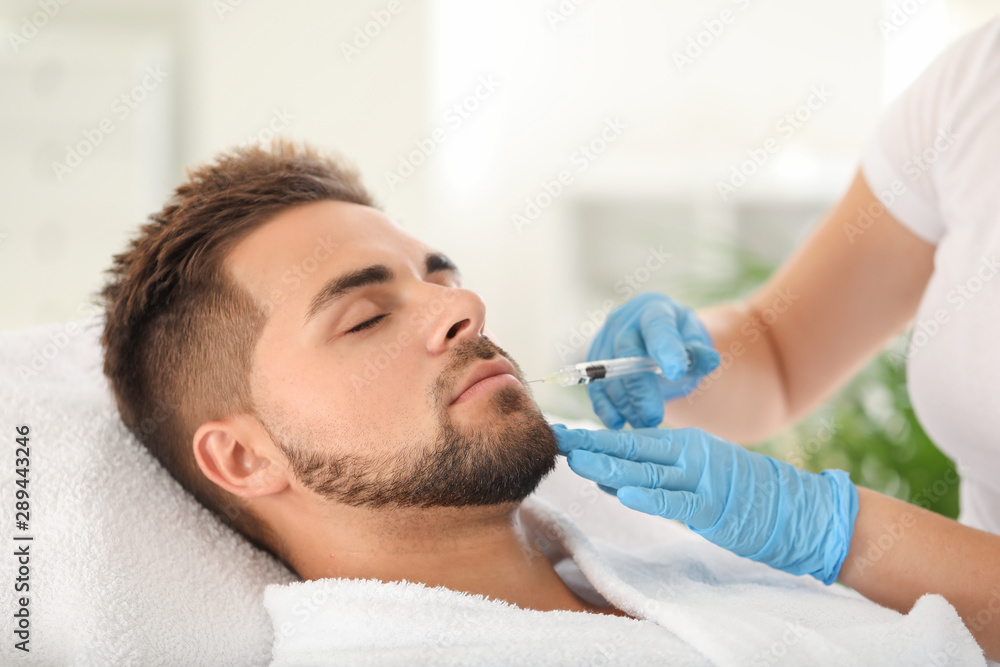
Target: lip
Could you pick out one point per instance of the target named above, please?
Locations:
(492, 368)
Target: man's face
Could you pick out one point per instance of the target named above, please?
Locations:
(373, 373)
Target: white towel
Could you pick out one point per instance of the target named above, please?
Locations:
(697, 605)
(126, 568)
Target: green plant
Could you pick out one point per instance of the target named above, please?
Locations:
(868, 428)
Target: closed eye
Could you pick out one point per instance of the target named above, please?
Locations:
(367, 324)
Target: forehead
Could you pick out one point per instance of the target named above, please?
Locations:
(301, 247)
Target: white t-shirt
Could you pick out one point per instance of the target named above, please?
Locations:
(938, 145)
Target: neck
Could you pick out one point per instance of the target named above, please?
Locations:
(478, 550)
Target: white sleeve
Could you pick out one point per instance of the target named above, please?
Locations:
(903, 146)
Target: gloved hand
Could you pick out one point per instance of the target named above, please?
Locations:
(652, 325)
(751, 504)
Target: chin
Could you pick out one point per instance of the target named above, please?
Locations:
(506, 400)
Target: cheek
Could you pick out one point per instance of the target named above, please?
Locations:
(386, 391)
(388, 372)
(377, 392)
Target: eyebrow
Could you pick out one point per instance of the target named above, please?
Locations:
(376, 274)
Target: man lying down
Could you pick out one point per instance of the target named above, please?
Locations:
(254, 304)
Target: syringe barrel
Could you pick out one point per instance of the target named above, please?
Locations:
(606, 369)
(612, 368)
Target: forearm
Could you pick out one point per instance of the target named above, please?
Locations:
(900, 551)
(824, 313)
(743, 400)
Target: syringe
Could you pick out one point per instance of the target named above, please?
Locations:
(607, 369)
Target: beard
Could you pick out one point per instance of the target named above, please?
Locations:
(501, 461)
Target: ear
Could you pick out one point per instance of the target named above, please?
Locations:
(239, 457)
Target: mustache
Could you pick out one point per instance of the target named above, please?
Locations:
(464, 355)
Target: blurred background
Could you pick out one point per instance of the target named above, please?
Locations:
(562, 152)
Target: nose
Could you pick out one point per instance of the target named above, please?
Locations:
(454, 315)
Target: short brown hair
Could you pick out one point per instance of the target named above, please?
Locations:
(179, 332)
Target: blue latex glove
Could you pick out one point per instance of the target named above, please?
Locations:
(751, 504)
(652, 325)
